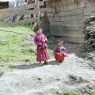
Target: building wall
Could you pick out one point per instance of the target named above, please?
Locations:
(68, 23)
(89, 10)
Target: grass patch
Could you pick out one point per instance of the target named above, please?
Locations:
(84, 48)
(92, 92)
(76, 93)
(51, 45)
(15, 46)
(70, 93)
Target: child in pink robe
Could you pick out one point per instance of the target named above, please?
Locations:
(42, 49)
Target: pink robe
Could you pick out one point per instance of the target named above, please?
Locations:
(42, 48)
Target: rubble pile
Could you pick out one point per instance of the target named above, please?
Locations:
(89, 30)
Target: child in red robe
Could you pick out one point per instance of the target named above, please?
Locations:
(59, 51)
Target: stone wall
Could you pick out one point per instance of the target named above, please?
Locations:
(69, 22)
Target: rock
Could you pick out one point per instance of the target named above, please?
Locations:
(89, 86)
(89, 30)
(86, 89)
(39, 78)
(74, 80)
(1, 73)
(82, 55)
(91, 58)
(57, 79)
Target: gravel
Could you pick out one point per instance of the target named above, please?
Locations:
(73, 74)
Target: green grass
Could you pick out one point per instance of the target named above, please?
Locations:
(14, 46)
(51, 45)
(76, 93)
(84, 48)
(92, 92)
(71, 93)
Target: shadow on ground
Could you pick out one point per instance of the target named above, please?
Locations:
(35, 65)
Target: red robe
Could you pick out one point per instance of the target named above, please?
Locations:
(42, 48)
(59, 53)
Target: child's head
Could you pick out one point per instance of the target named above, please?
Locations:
(59, 42)
(39, 31)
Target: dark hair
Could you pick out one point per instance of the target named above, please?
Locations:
(59, 40)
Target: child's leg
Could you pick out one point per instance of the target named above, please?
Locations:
(60, 61)
(45, 62)
(39, 62)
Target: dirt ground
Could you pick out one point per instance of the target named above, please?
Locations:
(33, 79)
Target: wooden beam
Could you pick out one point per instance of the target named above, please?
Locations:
(18, 22)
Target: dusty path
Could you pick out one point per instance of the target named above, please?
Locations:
(72, 74)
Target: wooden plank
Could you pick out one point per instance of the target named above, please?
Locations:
(50, 14)
(71, 13)
(42, 10)
(49, 10)
(67, 19)
(70, 33)
(18, 22)
(71, 18)
(20, 8)
(67, 22)
(66, 28)
(15, 11)
(87, 11)
(93, 9)
(46, 0)
(77, 10)
(67, 33)
(72, 6)
(67, 38)
(66, 16)
(55, 23)
(72, 28)
(28, 6)
(73, 39)
(65, 8)
(18, 12)
(90, 8)
(56, 19)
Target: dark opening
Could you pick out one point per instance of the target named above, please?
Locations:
(31, 1)
(31, 15)
(43, 6)
(40, 0)
(4, 5)
(31, 9)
